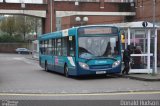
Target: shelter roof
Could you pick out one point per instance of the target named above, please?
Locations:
(137, 24)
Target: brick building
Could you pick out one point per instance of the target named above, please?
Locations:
(97, 11)
(142, 8)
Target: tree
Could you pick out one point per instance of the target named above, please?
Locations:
(36, 24)
(8, 25)
(20, 26)
(24, 25)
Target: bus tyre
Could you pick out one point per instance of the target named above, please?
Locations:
(66, 71)
(46, 66)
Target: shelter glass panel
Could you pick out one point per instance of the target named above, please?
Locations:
(138, 62)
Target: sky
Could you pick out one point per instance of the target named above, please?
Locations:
(26, 1)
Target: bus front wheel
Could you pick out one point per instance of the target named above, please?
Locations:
(66, 71)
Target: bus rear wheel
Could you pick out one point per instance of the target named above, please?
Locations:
(66, 71)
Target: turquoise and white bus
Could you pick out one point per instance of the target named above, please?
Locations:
(84, 50)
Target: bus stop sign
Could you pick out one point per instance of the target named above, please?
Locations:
(144, 24)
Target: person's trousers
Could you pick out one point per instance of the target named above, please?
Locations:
(126, 68)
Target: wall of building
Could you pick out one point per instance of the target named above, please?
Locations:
(10, 47)
(68, 22)
(86, 6)
(144, 10)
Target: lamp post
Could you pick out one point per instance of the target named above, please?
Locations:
(154, 36)
(23, 6)
(51, 14)
(82, 21)
(4, 1)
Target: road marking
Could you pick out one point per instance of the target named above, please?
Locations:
(81, 94)
(28, 61)
(18, 58)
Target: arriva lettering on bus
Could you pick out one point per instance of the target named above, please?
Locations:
(100, 62)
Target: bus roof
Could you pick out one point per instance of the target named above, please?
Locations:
(58, 34)
(66, 32)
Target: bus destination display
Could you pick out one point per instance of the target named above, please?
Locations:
(97, 30)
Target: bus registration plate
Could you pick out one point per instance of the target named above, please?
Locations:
(100, 72)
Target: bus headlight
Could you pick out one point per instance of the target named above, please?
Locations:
(84, 65)
(116, 63)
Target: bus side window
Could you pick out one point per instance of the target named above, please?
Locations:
(45, 47)
(71, 46)
(50, 47)
(40, 47)
(53, 46)
(64, 46)
(59, 46)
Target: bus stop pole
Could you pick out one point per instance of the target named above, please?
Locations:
(154, 48)
(51, 7)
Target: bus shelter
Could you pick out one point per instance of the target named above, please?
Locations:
(144, 45)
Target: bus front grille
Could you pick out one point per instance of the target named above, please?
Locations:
(100, 66)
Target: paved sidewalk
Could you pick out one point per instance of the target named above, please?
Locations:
(30, 56)
(143, 77)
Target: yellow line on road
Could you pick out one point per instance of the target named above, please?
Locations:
(81, 94)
